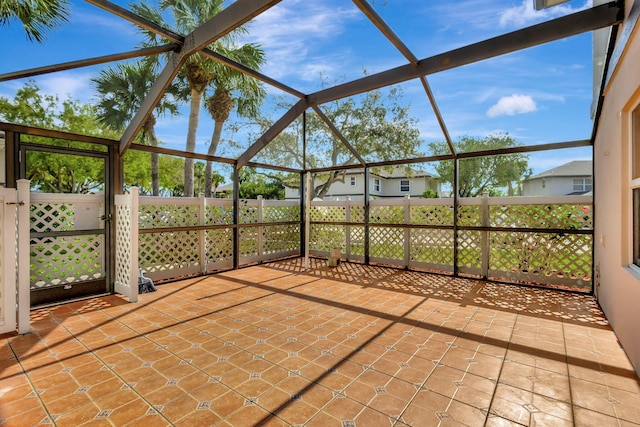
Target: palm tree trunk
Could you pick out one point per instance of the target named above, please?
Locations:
(194, 115)
(213, 147)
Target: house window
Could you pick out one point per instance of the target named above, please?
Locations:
(635, 182)
(377, 185)
(582, 184)
(353, 181)
(405, 185)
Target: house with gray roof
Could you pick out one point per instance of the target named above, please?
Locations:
(573, 178)
(383, 183)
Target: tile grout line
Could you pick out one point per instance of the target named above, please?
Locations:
(33, 388)
(495, 390)
(106, 365)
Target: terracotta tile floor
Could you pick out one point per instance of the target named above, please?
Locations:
(353, 346)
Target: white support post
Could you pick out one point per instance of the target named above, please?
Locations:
(407, 230)
(202, 234)
(485, 235)
(260, 229)
(133, 296)
(307, 219)
(348, 228)
(23, 261)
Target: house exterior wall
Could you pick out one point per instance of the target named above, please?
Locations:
(390, 188)
(553, 186)
(618, 287)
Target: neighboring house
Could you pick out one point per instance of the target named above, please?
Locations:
(399, 182)
(573, 178)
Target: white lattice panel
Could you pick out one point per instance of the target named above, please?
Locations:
(470, 216)
(542, 257)
(386, 214)
(123, 245)
(170, 254)
(279, 239)
(219, 245)
(356, 213)
(249, 212)
(156, 212)
(432, 246)
(60, 260)
(47, 217)
(387, 243)
(249, 242)
(356, 240)
(565, 216)
(329, 213)
(469, 249)
(432, 215)
(219, 215)
(271, 213)
(323, 237)
(65, 212)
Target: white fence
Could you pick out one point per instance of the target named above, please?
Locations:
(522, 239)
(70, 258)
(199, 234)
(14, 258)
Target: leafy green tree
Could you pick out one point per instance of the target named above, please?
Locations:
(376, 124)
(200, 72)
(489, 173)
(36, 16)
(55, 172)
(122, 90)
(254, 184)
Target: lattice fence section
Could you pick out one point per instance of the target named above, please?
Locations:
(249, 247)
(249, 212)
(542, 257)
(356, 213)
(469, 250)
(565, 216)
(328, 213)
(281, 239)
(48, 216)
(283, 213)
(158, 215)
(61, 260)
(219, 245)
(173, 253)
(356, 240)
(386, 214)
(432, 215)
(219, 215)
(324, 237)
(387, 243)
(124, 254)
(432, 246)
(470, 215)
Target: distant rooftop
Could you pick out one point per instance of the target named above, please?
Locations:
(574, 168)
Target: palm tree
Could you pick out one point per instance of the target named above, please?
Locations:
(200, 71)
(122, 90)
(233, 89)
(37, 16)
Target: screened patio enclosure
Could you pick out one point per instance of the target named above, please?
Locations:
(532, 240)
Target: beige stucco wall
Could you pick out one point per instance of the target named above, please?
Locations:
(618, 290)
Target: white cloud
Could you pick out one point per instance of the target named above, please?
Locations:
(512, 105)
(288, 33)
(524, 14)
(72, 84)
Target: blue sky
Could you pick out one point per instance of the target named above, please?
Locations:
(539, 95)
